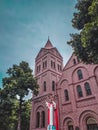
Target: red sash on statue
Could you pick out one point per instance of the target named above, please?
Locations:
(56, 118)
(48, 117)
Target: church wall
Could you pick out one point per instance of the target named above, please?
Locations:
(72, 110)
(76, 107)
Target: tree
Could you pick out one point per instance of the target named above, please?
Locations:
(19, 82)
(6, 109)
(9, 112)
(25, 116)
(85, 43)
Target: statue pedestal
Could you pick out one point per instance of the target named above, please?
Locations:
(51, 127)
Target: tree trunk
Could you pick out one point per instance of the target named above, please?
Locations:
(19, 123)
(19, 114)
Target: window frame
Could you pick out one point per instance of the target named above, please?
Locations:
(88, 89)
(80, 74)
(74, 61)
(37, 119)
(43, 119)
(79, 91)
(44, 84)
(66, 95)
(53, 85)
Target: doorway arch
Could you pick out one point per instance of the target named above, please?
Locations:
(91, 124)
(68, 124)
(88, 120)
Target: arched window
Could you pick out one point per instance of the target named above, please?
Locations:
(91, 124)
(80, 75)
(45, 64)
(74, 61)
(44, 85)
(70, 126)
(79, 91)
(37, 119)
(66, 95)
(53, 85)
(87, 88)
(43, 119)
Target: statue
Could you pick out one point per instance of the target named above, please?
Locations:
(52, 115)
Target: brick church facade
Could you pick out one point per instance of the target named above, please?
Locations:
(74, 88)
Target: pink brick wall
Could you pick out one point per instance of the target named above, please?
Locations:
(77, 110)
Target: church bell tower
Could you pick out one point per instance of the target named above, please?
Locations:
(48, 70)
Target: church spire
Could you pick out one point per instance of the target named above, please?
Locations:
(48, 44)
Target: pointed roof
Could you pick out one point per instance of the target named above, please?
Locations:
(48, 45)
(50, 49)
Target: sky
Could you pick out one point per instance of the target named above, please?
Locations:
(25, 26)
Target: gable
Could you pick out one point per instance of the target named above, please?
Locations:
(71, 62)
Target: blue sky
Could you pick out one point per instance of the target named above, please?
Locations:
(25, 26)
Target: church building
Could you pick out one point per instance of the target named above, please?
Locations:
(74, 88)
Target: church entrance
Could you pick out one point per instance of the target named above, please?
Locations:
(91, 124)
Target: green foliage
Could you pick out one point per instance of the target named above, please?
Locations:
(76, 43)
(81, 17)
(89, 38)
(14, 110)
(86, 20)
(21, 79)
(25, 116)
(93, 9)
(9, 109)
(6, 109)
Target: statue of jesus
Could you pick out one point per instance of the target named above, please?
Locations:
(51, 106)
(52, 115)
